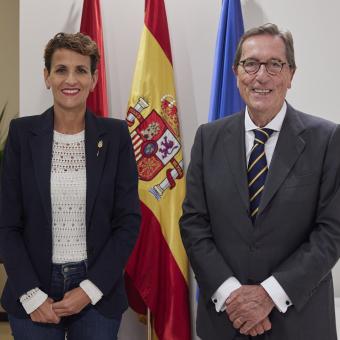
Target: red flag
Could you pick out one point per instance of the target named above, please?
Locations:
(91, 25)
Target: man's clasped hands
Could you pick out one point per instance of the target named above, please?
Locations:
(248, 308)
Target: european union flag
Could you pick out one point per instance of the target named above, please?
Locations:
(225, 98)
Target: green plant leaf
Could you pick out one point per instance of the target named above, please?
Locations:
(2, 113)
(2, 116)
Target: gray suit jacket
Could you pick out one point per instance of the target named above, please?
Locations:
(296, 236)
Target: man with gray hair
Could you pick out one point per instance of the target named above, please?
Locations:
(261, 218)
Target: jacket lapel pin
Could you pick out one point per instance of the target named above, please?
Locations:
(99, 145)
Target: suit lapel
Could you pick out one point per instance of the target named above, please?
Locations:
(234, 144)
(96, 146)
(288, 149)
(41, 148)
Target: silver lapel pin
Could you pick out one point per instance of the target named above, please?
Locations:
(99, 145)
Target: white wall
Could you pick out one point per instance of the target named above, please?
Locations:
(193, 27)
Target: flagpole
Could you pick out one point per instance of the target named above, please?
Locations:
(149, 326)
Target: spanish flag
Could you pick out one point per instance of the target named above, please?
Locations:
(157, 271)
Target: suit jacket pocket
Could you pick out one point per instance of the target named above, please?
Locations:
(297, 180)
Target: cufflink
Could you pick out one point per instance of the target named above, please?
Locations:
(215, 300)
(287, 303)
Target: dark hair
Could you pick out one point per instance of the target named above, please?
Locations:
(76, 42)
(273, 30)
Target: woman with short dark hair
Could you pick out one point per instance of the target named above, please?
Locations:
(69, 207)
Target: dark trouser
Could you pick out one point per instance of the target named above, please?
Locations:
(89, 324)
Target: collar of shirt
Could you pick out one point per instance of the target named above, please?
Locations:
(275, 124)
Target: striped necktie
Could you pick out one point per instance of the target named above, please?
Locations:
(257, 170)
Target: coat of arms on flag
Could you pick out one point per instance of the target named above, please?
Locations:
(156, 142)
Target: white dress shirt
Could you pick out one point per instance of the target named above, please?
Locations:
(271, 285)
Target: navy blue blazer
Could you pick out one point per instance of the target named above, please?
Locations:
(112, 208)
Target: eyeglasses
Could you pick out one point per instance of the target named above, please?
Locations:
(273, 67)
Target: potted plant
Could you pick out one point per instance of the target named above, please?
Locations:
(2, 119)
(5, 118)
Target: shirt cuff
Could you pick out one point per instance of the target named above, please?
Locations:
(94, 293)
(277, 294)
(33, 299)
(223, 291)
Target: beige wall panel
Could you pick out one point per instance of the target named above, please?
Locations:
(9, 69)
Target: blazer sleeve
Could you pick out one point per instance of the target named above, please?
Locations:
(125, 223)
(209, 266)
(13, 252)
(301, 273)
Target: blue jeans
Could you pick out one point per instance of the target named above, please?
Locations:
(89, 324)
